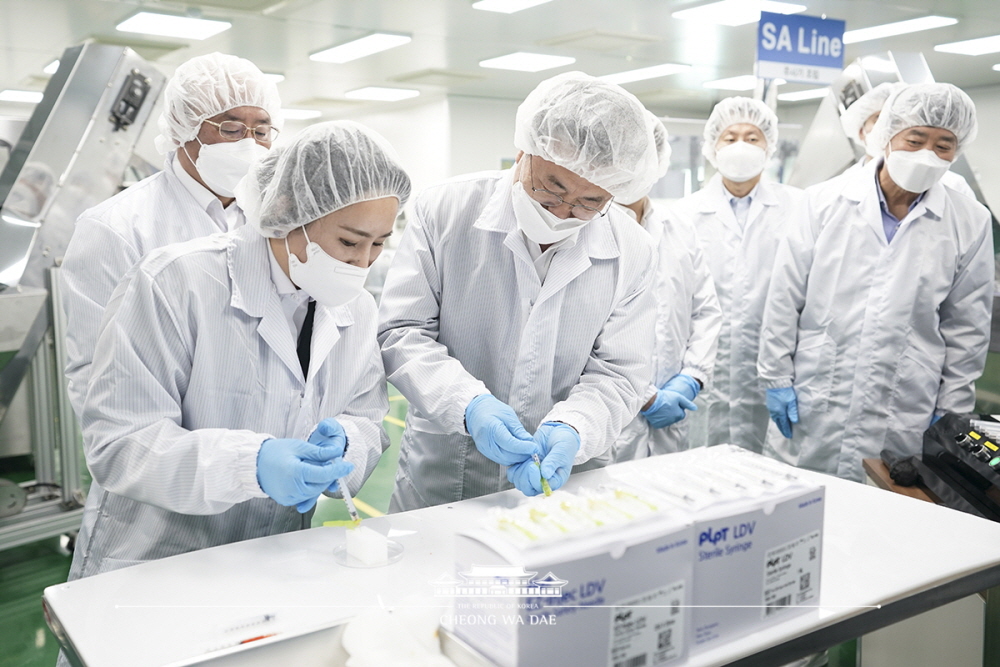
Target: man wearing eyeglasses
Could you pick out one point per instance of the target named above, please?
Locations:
(219, 114)
(517, 318)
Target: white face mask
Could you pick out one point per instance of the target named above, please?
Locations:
(539, 223)
(740, 161)
(915, 171)
(326, 279)
(871, 149)
(224, 164)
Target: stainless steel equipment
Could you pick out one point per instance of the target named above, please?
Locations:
(70, 155)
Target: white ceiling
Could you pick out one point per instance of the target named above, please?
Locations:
(449, 35)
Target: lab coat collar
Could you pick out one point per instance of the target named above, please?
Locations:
(860, 185)
(255, 294)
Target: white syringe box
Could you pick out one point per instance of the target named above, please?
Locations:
(757, 558)
(611, 596)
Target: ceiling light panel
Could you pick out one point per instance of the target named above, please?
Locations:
(801, 95)
(898, 28)
(26, 96)
(165, 25)
(736, 12)
(359, 48)
(507, 6)
(972, 47)
(644, 73)
(52, 67)
(377, 94)
(527, 62)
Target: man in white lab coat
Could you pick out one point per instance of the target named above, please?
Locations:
(738, 218)
(878, 317)
(517, 316)
(219, 113)
(858, 121)
(688, 320)
(234, 370)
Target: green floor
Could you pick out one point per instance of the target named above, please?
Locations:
(25, 640)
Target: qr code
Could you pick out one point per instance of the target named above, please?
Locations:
(804, 581)
(665, 639)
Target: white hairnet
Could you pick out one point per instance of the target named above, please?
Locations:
(733, 111)
(326, 167)
(595, 129)
(206, 86)
(927, 105)
(662, 142)
(869, 104)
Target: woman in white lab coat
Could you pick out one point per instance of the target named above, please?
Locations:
(739, 219)
(219, 357)
(688, 320)
(878, 318)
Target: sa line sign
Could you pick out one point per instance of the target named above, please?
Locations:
(801, 49)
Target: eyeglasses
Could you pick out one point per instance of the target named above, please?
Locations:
(552, 200)
(234, 130)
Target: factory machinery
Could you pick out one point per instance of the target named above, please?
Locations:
(73, 153)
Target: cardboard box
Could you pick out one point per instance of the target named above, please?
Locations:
(757, 550)
(618, 597)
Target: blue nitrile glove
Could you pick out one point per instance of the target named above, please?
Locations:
(497, 432)
(672, 399)
(935, 418)
(331, 435)
(295, 472)
(526, 477)
(560, 443)
(784, 409)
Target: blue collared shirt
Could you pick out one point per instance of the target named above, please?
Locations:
(890, 223)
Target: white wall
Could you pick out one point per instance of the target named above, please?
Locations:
(482, 133)
(420, 133)
(983, 151)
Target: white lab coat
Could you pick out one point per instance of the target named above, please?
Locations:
(950, 179)
(107, 240)
(688, 321)
(741, 261)
(195, 367)
(876, 336)
(463, 312)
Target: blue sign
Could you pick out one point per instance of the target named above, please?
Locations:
(801, 49)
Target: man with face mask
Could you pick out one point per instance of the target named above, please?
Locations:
(858, 121)
(516, 318)
(219, 115)
(738, 219)
(688, 320)
(878, 317)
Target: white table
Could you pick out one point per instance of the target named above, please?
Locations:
(886, 557)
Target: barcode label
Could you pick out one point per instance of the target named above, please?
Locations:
(791, 574)
(647, 630)
(773, 607)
